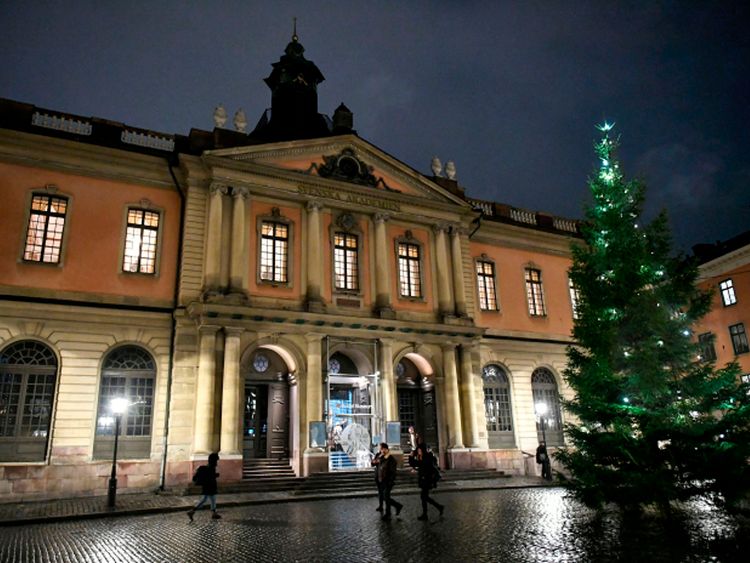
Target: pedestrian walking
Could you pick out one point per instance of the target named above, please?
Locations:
(428, 474)
(387, 467)
(543, 458)
(206, 476)
(376, 464)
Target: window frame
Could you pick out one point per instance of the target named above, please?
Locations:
(408, 239)
(346, 224)
(499, 439)
(728, 293)
(146, 206)
(575, 299)
(706, 343)
(484, 292)
(276, 218)
(51, 191)
(540, 283)
(739, 338)
(543, 390)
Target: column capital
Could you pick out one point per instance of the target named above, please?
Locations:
(448, 346)
(208, 330)
(314, 205)
(312, 337)
(380, 217)
(241, 192)
(233, 330)
(458, 230)
(441, 227)
(218, 188)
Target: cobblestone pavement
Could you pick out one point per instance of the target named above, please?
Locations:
(508, 525)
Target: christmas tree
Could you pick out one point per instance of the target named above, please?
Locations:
(655, 421)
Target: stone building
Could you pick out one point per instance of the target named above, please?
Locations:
(293, 293)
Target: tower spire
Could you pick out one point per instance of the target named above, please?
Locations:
(294, 32)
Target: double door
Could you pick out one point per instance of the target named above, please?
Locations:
(266, 421)
(417, 409)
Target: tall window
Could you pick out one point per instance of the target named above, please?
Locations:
(45, 233)
(486, 285)
(28, 371)
(706, 344)
(728, 297)
(274, 252)
(544, 390)
(128, 372)
(575, 298)
(409, 269)
(497, 407)
(140, 241)
(345, 261)
(739, 338)
(534, 294)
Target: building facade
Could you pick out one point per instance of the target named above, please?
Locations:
(293, 293)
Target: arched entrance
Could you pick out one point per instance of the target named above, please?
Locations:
(416, 404)
(265, 428)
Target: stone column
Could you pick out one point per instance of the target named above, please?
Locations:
(314, 258)
(444, 277)
(314, 377)
(452, 399)
(238, 259)
(231, 393)
(205, 406)
(382, 268)
(212, 268)
(468, 397)
(390, 399)
(459, 286)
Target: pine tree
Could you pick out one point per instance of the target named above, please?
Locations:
(655, 422)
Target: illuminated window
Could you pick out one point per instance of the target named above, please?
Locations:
(728, 297)
(274, 252)
(575, 298)
(544, 391)
(706, 344)
(739, 338)
(345, 261)
(497, 409)
(409, 270)
(141, 238)
(534, 294)
(486, 285)
(45, 233)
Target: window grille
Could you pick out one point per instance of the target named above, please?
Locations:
(486, 285)
(45, 231)
(534, 294)
(274, 251)
(345, 261)
(409, 269)
(140, 241)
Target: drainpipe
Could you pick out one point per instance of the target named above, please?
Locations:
(172, 336)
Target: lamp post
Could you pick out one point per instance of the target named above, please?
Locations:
(541, 410)
(117, 407)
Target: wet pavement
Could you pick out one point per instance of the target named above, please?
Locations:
(507, 525)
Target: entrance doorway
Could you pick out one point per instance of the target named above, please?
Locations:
(266, 408)
(416, 405)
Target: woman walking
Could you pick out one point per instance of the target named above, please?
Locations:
(427, 476)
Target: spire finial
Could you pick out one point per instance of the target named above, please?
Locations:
(294, 33)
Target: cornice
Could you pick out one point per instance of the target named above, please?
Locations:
(724, 264)
(514, 236)
(83, 159)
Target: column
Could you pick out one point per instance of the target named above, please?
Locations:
(468, 397)
(445, 299)
(238, 258)
(204, 392)
(382, 267)
(452, 400)
(459, 286)
(231, 393)
(390, 399)
(314, 257)
(212, 268)
(314, 389)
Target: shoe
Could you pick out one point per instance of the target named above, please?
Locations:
(398, 509)
(190, 514)
(386, 517)
(441, 508)
(423, 517)
(216, 516)
(379, 509)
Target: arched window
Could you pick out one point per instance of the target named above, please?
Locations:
(28, 371)
(128, 372)
(497, 409)
(544, 390)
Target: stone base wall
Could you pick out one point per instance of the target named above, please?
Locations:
(509, 461)
(20, 483)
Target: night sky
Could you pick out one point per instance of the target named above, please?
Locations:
(510, 91)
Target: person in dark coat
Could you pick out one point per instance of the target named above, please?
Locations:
(387, 467)
(542, 457)
(206, 476)
(427, 476)
(376, 464)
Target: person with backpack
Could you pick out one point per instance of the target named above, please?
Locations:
(542, 457)
(428, 474)
(205, 476)
(386, 476)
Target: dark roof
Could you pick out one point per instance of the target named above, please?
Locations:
(705, 252)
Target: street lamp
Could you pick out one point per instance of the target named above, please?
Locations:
(541, 410)
(117, 407)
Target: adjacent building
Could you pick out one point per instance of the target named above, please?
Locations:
(294, 292)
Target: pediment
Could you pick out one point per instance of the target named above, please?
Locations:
(346, 159)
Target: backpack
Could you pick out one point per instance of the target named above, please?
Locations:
(435, 473)
(199, 478)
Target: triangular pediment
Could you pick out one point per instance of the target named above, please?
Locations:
(346, 159)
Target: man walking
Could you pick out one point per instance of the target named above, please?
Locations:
(387, 479)
(206, 476)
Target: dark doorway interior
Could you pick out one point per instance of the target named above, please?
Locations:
(416, 405)
(255, 432)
